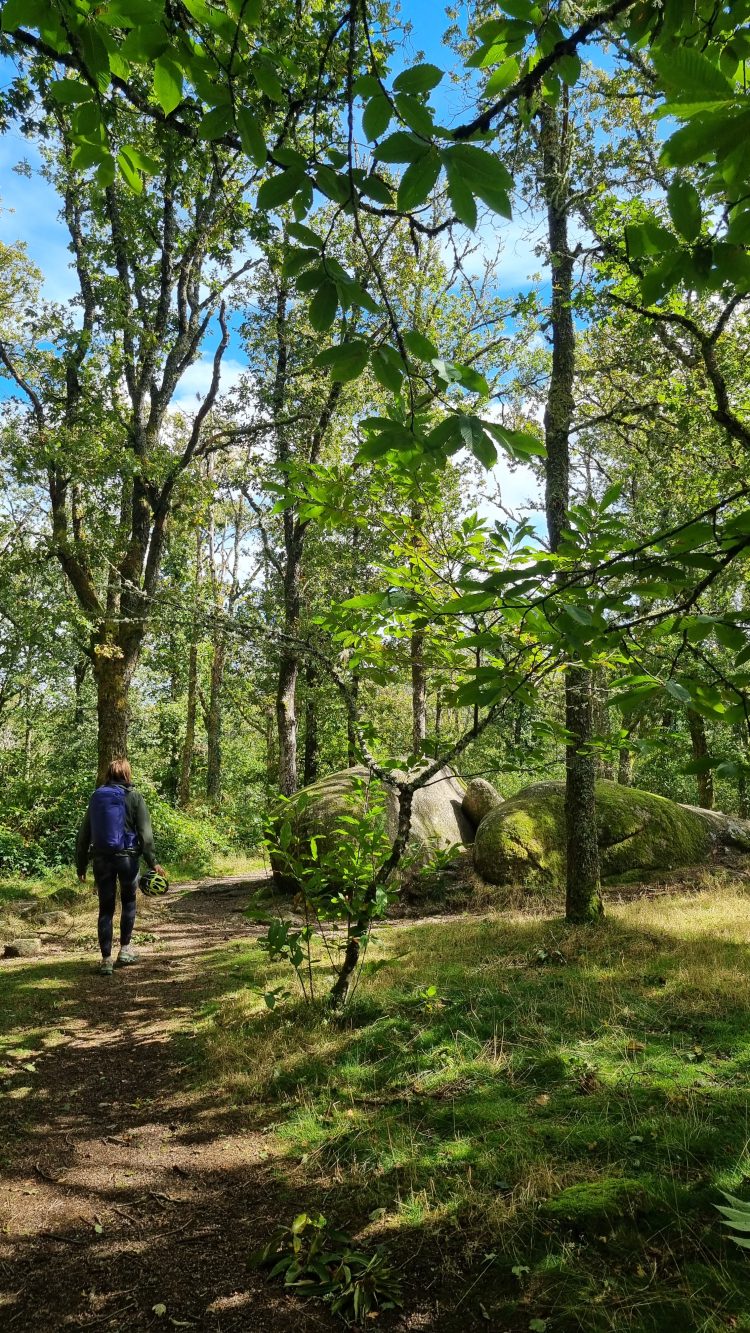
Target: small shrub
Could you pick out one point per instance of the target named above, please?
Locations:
(323, 1263)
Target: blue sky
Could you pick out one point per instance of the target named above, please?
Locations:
(29, 212)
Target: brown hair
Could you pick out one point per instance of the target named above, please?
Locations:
(119, 771)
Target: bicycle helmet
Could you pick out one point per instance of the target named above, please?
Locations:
(153, 884)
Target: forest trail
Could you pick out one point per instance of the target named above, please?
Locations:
(121, 1188)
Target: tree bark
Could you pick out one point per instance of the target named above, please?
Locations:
(214, 722)
(188, 745)
(312, 753)
(352, 754)
(583, 889)
(113, 676)
(418, 692)
(697, 727)
(79, 676)
(625, 767)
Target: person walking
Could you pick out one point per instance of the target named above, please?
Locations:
(116, 831)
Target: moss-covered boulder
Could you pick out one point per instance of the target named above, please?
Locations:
(437, 823)
(523, 840)
(479, 798)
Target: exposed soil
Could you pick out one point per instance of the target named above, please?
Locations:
(121, 1189)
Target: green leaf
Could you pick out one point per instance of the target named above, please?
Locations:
(415, 114)
(23, 14)
(141, 161)
(167, 84)
(267, 79)
(678, 691)
(419, 345)
(503, 77)
(401, 147)
(569, 69)
(418, 79)
(144, 44)
(388, 368)
(323, 307)
(87, 155)
(129, 173)
(417, 181)
(374, 187)
(345, 361)
(685, 208)
(281, 188)
(215, 123)
(462, 200)
(685, 69)
(376, 117)
(251, 135)
(67, 91)
(661, 278)
(484, 174)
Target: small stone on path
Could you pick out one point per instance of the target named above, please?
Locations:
(25, 948)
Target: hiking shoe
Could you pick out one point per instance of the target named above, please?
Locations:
(126, 956)
(105, 967)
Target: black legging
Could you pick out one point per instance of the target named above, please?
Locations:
(106, 874)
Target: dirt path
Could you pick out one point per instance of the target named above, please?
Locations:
(120, 1188)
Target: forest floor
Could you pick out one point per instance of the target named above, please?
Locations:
(534, 1120)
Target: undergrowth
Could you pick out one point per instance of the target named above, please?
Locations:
(547, 1113)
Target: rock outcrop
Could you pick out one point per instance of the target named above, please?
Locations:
(522, 841)
(438, 820)
(479, 798)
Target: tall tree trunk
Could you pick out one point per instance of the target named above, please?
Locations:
(352, 754)
(214, 721)
(583, 888)
(79, 675)
(418, 692)
(312, 754)
(625, 767)
(697, 729)
(188, 745)
(113, 676)
(286, 719)
(438, 717)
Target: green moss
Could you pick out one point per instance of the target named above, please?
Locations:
(594, 1204)
(523, 840)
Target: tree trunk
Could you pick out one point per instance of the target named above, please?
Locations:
(113, 676)
(418, 692)
(214, 721)
(312, 755)
(583, 893)
(438, 717)
(188, 745)
(625, 767)
(697, 728)
(352, 754)
(79, 676)
(583, 890)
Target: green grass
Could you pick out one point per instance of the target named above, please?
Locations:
(566, 1103)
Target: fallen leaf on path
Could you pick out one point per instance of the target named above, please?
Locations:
(159, 1309)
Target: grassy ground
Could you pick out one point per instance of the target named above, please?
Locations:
(60, 888)
(543, 1115)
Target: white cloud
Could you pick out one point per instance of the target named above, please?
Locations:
(196, 382)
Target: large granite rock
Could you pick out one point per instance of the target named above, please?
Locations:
(479, 798)
(522, 841)
(437, 820)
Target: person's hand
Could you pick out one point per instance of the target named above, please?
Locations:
(160, 870)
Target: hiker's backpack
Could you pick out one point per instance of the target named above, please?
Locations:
(107, 816)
